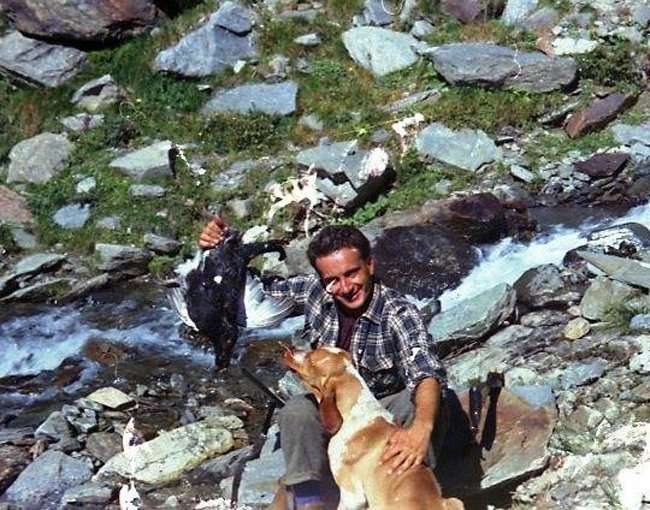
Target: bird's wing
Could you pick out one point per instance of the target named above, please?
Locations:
(176, 299)
(261, 309)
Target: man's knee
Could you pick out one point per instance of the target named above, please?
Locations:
(300, 408)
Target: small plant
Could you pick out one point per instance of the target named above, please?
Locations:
(7, 243)
(255, 132)
(619, 315)
(616, 64)
(161, 265)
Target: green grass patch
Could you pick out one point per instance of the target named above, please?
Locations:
(449, 30)
(554, 145)
(617, 65)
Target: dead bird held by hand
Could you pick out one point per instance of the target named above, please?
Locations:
(218, 293)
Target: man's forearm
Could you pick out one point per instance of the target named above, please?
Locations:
(427, 402)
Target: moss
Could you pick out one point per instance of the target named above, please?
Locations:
(553, 146)
(162, 265)
(616, 64)
(7, 243)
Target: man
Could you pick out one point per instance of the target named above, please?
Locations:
(345, 306)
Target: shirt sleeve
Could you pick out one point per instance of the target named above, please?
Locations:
(296, 288)
(416, 348)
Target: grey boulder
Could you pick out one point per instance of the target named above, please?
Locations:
(73, 216)
(97, 94)
(38, 159)
(379, 50)
(146, 163)
(272, 99)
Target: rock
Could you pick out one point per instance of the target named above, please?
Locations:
(260, 477)
(147, 190)
(97, 94)
(211, 48)
(37, 61)
(99, 21)
(308, 40)
(603, 165)
(580, 373)
(38, 159)
(421, 28)
(602, 295)
(82, 122)
(577, 328)
(40, 291)
(240, 208)
(570, 46)
(346, 173)
(543, 318)
(91, 493)
(626, 134)
(542, 19)
(45, 480)
(516, 12)
(104, 445)
(379, 50)
(425, 97)
(467, 149)
(272, 99)
(600, 113)
(147, 163)
(473, 318)
(523, 174)
(463, 10)
(641, 14)
(546, 286)
(23, 238)
(311, 121)
(86, 185)
(12, 461)
(169, 455)
(55, 427)
(73, 216)
(82, 289)
(109, 223)
(13, 208)
(440, 262)
(620, 269)
(225, 466)
(640, 323)
(161, 245)
(37, 263)
(376, 14)
(9, 435)
(640, 362)
(497, 66)
(234, 18)
(111, 398)
(84, 423)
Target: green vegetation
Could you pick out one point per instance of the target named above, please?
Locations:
(617, 64)
(554, 145)
(619, 315)
(7, 244)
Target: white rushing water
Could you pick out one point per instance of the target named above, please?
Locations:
(507, 260)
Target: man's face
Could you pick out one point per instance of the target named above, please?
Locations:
(347, 277)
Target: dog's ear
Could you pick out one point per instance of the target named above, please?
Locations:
(330, 416)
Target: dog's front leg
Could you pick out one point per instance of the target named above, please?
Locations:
(353, 500)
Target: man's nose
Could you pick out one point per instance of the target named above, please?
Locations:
(345, 285)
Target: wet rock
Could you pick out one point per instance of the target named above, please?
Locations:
(97, 94)
(45, 480)
(473, 318)
(603, 165)
(147, 190)
(211, 48)
(13, 207)
(38, 62)
(580, 373)
(38, 159)
(161, 245)
(27, 266)
(40, 291)
(82, 122)
(379, 50)
(91, 493)
(620, 269)
(81, 289)
(98, 21)
(73, 216)
(546, 286)
(467, 149)
(111, 398)
(577, 328)
(169, 455)
(516, 12)
(146, 163)
(104, 445)
(347, 174)
(542, 318)
(440, 262)
(604, 294)
(12, 461)
(463, 10)
(626, 239)
(600, 113)
(272, 99)
(497, 66)
(124, 259)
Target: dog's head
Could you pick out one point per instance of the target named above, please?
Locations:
(322, 371)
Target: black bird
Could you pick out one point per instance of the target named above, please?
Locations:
(218, 293)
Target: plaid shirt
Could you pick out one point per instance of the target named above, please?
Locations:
(390, 345)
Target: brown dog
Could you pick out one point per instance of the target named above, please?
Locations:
(361, 428)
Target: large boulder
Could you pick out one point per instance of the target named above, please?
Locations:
(547, 286)
(467, 149)
(380, 50)
(124, 259)
(38, 62)
(620, 269)
(172, 453)
(38, 159)
(12, 461)
(217, 45)
(437, 259)
(472, 319)
(494, 66)
(269, 98)
(81, 20)
(147, 163)
(42, 484)
(603, 295)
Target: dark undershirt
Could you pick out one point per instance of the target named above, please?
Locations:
(347, 322)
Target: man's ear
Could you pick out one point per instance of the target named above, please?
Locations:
(330, 416)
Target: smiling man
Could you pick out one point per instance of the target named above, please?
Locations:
(347, 307)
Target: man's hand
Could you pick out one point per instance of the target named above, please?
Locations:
(213, 233)
(407, 448)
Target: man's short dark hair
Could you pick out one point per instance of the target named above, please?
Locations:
(334, 237)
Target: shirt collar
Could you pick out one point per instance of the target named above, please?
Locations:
(373, 312)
